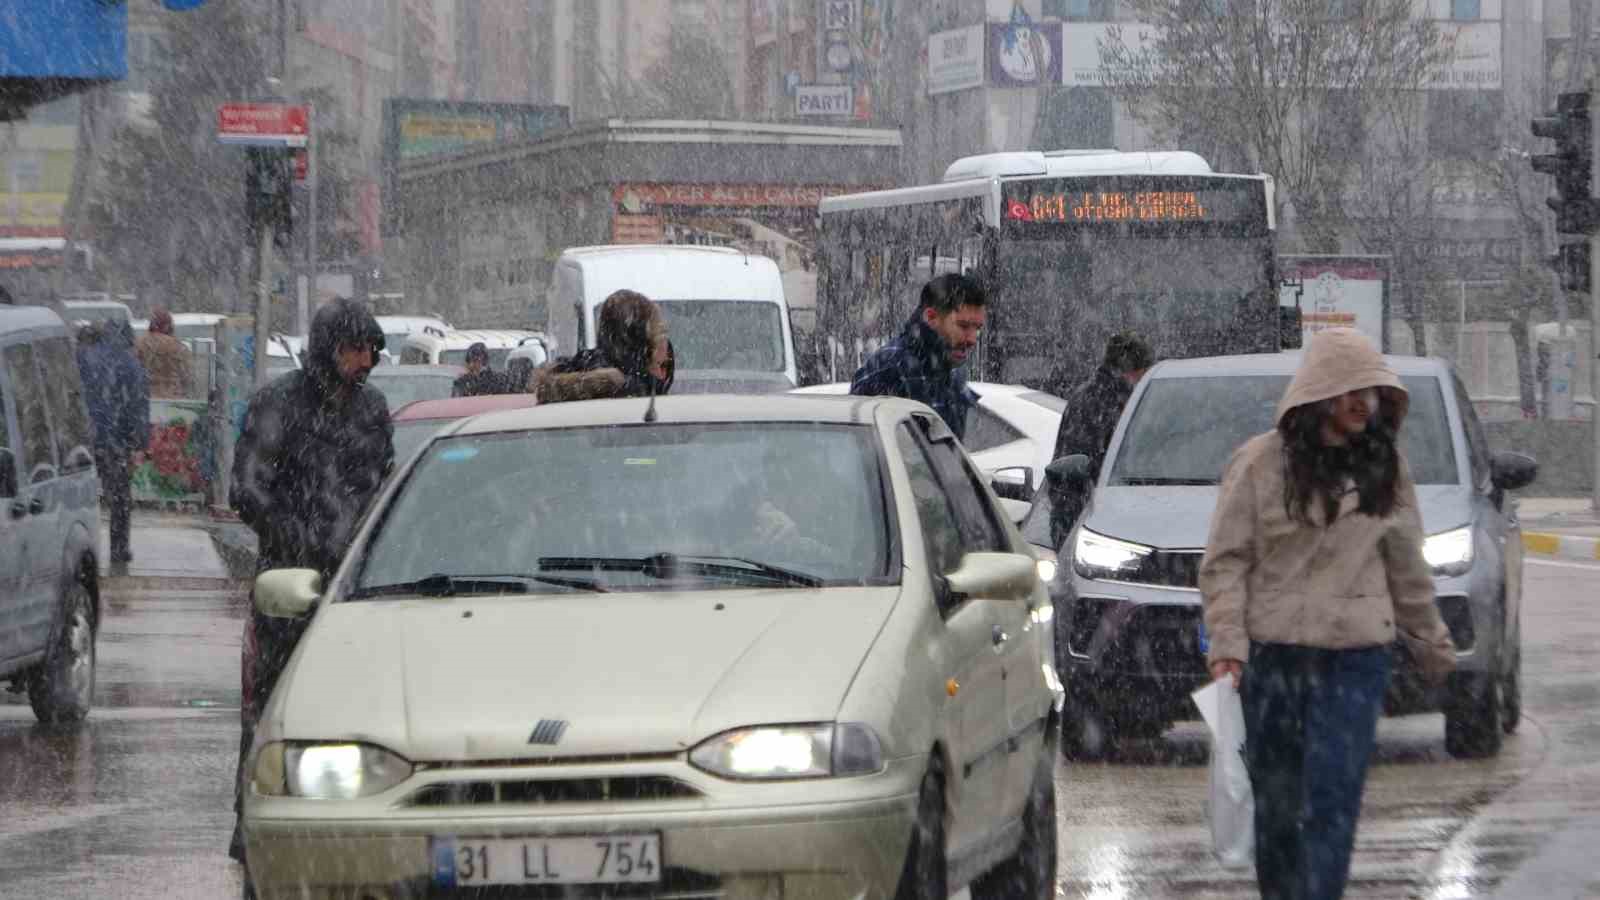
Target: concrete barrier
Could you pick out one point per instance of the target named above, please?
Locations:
(1562, 546)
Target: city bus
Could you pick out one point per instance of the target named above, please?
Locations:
(1072, 247)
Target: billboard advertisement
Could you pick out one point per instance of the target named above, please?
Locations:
(1338, 292)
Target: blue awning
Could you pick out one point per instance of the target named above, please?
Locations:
(50, 48)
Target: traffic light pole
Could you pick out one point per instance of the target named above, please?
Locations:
(1594, 328)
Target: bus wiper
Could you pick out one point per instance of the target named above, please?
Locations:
(670, 565)
(442, 585)
(1149, 480)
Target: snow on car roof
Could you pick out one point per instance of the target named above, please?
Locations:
(691, 408)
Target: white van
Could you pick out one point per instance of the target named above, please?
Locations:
(435, 346)
(725, 310)
(397, 328)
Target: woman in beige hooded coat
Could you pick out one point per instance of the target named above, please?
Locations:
(1313, 567)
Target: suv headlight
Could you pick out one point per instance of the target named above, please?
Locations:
(327, 771)
(1098, 556)
(822, 750)
(1449, 552)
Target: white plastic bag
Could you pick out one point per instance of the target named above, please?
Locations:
(1229, 805)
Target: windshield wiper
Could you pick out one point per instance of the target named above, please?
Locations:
(1149, 480)
(442, 585)
(670, 565)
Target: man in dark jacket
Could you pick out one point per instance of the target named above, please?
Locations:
(479, 378)
(316, 446)
(117, 394)
(924, 362)
(1093, 409)
(632, 356)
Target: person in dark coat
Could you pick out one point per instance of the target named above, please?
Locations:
(479, 378)
(117, 394)
(316, 446)
(924, 362)
(1093, 409)
(632, 357)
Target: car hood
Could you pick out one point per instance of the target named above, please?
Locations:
(469, 678)
(1179, 517)
(728, 381)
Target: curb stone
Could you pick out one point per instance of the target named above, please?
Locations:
(1562, 546)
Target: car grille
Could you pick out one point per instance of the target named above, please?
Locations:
(1169, 568)
(1158, 640)
(627, 789)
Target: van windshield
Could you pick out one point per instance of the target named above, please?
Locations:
(737, 335)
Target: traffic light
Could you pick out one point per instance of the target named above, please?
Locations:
(1571, 262)
(269, 191)
(1572, 164)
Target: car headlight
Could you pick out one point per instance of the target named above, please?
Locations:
(327, 771)
(1045, 562)
(791, 751)
(1098, 556)
(1449, 552)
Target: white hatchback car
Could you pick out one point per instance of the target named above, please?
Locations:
(647, 649)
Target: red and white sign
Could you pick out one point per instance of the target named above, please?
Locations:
(263, 124)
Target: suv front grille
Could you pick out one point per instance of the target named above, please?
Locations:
(626, 789)
(1170, 568)
(1158, 640)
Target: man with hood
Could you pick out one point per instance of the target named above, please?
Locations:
(924, 362)
(632, 356)
(479, 378)
(117, 395)
(1312, 569)
(1093, 408)
(165, 358)
(316, 446)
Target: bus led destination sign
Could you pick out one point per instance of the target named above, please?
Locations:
(1115, 201)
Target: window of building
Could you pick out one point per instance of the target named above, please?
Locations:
(1466, 9)
(1464, 124)
(1081, 10)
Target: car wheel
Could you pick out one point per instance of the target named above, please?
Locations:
(1088, 734)
(925, 874)
(1511, 693)
(1473, 715)
(63, 688)
(1030, 873)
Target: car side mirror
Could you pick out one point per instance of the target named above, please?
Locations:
(287, 593)
(1510, 471)
(1069, 469)
(1010, 576)
(8, 471)
(1012, 483)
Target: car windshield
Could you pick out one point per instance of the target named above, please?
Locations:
(599, 502)
(408, 436)
(497, 357)
(400, 386)
(1185, 429)
(738, 335)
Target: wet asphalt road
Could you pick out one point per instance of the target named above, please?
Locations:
(136, 803)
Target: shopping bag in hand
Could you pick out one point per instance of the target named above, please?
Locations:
(1230, 807)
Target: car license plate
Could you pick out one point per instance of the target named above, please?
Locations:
(587, 859)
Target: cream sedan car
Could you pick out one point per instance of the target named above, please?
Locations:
(718, 647)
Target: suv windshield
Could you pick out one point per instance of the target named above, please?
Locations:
(738, 335)
(1185, 429)
(552, 507)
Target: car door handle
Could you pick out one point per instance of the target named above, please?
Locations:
(1000, 636)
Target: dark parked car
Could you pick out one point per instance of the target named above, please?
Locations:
(1129, 642)
(49, 515)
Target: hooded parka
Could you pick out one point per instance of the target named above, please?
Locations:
(1354, 582)
(314, 452)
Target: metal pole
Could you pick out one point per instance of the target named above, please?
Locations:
(263, 300)
(1594, 329)
(303, 309)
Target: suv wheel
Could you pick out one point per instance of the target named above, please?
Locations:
(63, 687)
(1472, 715)
(1030, 873)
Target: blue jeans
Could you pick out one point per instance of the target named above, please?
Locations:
(1311, 720)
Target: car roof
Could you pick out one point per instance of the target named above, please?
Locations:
(495, 338)
(699, 408)
(597, 250)
(460, 407)
(417, 320)
(1278, 364)
(25, 318)
(395, 370)
(196, 318)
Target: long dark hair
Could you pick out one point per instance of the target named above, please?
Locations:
(1315, 471)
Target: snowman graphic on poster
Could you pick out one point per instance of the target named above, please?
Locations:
(1025, 55)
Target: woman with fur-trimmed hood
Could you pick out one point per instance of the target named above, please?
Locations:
(1313, 567)
(632, 356)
